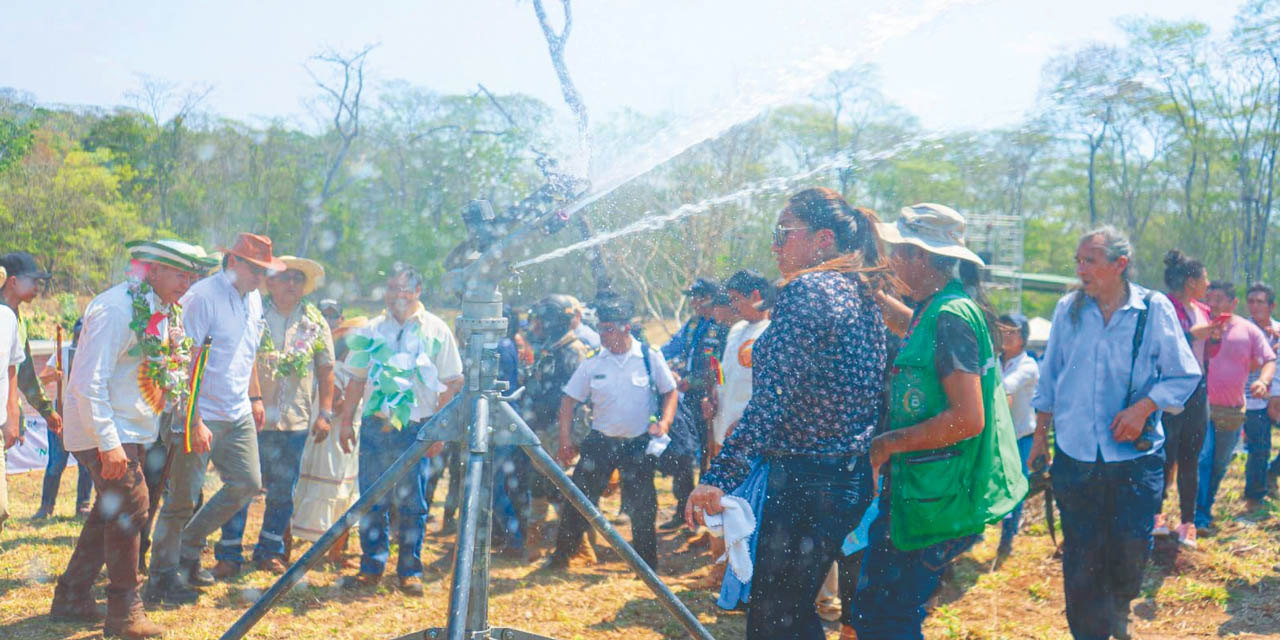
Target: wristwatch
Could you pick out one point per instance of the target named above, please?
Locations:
(327, 415)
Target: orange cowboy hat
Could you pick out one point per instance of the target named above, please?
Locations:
(255, 249)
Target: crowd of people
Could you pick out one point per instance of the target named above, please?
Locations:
(845, 432)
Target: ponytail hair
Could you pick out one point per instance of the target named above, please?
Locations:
(1179, 268)
(861, 253)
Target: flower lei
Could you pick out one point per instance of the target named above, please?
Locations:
(392, 375)
(300, 351)
(166, 359)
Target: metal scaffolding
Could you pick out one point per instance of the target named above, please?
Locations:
(998, 239)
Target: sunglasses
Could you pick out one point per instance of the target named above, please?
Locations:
(291, 277)
(780, 234)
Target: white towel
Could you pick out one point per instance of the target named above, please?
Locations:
(735, 524)
(657, 445)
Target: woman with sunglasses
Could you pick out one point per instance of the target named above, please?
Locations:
(817, 396)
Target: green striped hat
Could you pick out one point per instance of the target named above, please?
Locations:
(173, 253)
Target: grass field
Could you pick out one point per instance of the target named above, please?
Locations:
(1230, 587)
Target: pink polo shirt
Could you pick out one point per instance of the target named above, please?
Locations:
(1244, 347)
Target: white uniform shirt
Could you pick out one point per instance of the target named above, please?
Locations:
(422, 332)
(618, 389)
(214, 306)
(736, 390)
(11, 355)
(1251, 403)
(103, 399)
(1020, 376)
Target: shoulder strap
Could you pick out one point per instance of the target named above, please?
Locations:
(1139, 331)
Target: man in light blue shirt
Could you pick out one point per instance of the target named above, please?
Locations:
(1108, 490)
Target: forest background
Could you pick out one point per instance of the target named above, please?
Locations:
(1171, 136)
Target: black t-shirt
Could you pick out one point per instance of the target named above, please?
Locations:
(956, 348)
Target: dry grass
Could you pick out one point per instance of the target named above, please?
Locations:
(1230, 587)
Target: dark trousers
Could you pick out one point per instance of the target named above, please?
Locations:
(380, 449)
(812, 504)
(110, 535)
(452, 460)
(280, 456)
(1257, 441)
(895, 585)
(1107, 511)
(599, 456)
(1183, 438)
(53, 477)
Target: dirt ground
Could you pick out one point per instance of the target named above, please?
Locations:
(1230, 587)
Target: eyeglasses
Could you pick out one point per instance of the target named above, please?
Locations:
(609, 327)
(291, 277)
(780, 234)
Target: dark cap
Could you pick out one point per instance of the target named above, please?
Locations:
(21, 263)
(702, 287)
(1017, 321)
(614, 309)
(748, 280)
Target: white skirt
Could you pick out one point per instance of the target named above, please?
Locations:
(327, 486)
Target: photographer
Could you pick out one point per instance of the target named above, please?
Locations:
(1103, 396)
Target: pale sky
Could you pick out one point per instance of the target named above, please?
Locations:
(975, 64)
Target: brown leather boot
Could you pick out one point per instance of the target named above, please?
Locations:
(127, 620)
(533, 541)
(74, 608)
(586, 554)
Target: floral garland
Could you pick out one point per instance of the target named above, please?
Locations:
(297, 355)
(393, 376)
(166, 358)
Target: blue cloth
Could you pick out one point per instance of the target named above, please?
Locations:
(735, 594)
(1257, 441)
(1085, 373)
(1009, 526)
(860, 537)
(58, 456)
(1108, 512)
(280, 454)
(680, 346)
(1215, 456)
(817, 378)
(378, 451)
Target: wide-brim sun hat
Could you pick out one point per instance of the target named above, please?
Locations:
(172, 253)
(313, 270)
(933, 227)
(255, 249)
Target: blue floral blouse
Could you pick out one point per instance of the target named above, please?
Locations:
(817, 378)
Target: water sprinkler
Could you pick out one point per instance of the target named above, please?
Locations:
(480, 418)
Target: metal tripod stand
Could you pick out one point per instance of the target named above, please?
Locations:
(479, 418)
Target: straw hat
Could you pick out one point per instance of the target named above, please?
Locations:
(933, 227)
(309, 268)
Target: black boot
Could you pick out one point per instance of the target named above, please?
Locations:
(169, 588)
(196, 575)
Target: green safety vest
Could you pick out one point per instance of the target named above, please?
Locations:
(955, 491)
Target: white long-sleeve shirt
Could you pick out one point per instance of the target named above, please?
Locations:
(103, 389)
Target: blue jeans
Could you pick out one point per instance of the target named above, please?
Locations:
(280, 456)
(895, 585)
(812, 503)
(1215, 457)
(1257, 441)
(1108, 509)
(58, 456)
(1009, 526)
(378, 451)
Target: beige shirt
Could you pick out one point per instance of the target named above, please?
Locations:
(292, 402)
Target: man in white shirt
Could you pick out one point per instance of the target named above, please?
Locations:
(1260, 413)
(129, 332)
(405, 342)
(229, 412)
(617, 382)
(11, 355)
(1020, 376)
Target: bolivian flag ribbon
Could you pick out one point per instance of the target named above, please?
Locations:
(197, 374)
